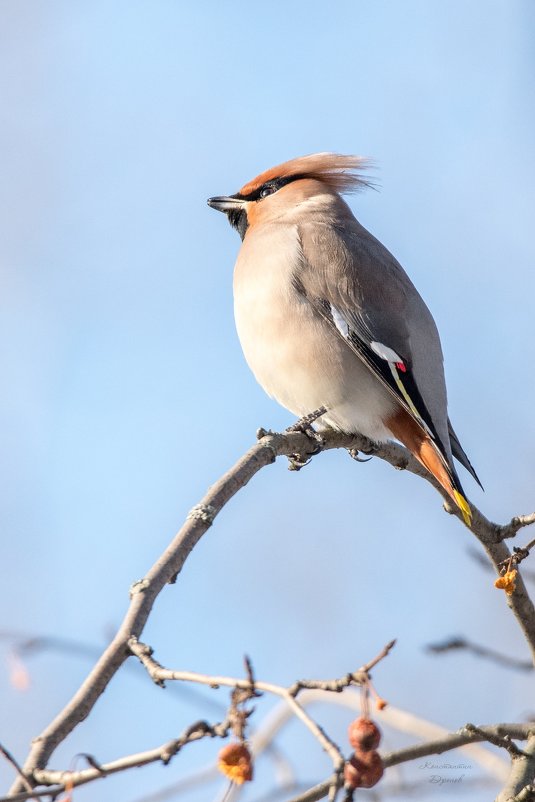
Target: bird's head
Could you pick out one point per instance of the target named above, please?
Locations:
(283, 188)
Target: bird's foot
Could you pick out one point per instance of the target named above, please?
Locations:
(298, 461)
(304, 425)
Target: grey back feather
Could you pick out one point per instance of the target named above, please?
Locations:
(344, 264)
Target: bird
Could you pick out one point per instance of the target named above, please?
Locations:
(329, 322)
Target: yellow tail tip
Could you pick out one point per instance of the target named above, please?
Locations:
(464, 507)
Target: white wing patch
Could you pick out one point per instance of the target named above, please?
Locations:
(385, 352)
(339, 322)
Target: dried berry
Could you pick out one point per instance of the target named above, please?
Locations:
(236, 763)
(364, 734)
(507, 582)
(363, 770)
(352, 775)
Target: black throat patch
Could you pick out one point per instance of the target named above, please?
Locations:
(238, 220)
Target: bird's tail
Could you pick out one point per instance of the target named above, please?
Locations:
(459, 454)
(425, 449)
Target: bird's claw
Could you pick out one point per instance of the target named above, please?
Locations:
(298, 461)
(354, 454)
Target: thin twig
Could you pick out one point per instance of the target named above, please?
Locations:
(10, 759)
(467, 734)
(163, 754)
(483, 561)
(457, 644)
(519, 554)
(359, 677)
(382, 654)
(159, 675)
(318, 791)
(503, 741)
(515, 525)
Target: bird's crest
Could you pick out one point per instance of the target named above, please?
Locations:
(340, 173)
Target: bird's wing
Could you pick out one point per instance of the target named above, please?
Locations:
(459, 454)
(362, 291)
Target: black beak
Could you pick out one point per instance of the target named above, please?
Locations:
(225, 203)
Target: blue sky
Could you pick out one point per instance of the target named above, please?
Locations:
(125, 391)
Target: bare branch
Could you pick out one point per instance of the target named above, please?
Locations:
(502, 741)
(519, 786)
(160, 675)
(10, 759)
(200, 518)
(385, 651)
(495, 765)
(527, 794)
(515, 525)
(483, 561)
(359, 677)
(96, 771)
(318, 791)
(519, 554)
(458, 644)
(467, 734)
(143, 595)
(176, 789)
(453, 740)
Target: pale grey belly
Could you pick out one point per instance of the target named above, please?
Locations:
(302, 363)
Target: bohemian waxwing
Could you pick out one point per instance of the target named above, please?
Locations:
(330, 322)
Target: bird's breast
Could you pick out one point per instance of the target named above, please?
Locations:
(295, 354)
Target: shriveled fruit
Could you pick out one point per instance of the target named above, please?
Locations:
(235, 762)
(364, 734)
(363, 770)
